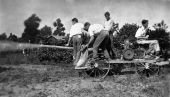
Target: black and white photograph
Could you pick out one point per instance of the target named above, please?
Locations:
(84, 48)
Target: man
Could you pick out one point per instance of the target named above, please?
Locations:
(98, 35)
(110, 26)
(142, 37)
(75, 35)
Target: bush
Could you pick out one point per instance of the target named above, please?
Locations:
(162, 36)
(52, 54)
(128, 31)
(12, 57)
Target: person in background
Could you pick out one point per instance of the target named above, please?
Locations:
(110, 26)
(76, 36)
(98, 35)
(142, 37)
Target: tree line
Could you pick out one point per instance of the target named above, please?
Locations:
(32, 33)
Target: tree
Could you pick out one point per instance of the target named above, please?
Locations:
(31, 29)
(59, 28)
(3, 36)
(160, 25)
(128, 31)
(44, 33)
(12, 37)
(160, 33)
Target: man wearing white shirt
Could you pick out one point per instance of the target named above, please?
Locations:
(97, 33)
(109, 22)
(75, 35)
(109, 26)
(142, 36)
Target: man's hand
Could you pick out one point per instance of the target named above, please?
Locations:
(87, 45)
(67, 44)
(84, 47)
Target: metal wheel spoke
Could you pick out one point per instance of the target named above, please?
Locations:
(91, 72)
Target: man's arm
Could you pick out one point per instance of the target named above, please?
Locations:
(139, 34)
(85, 32)
(143, 37)
(91, 39)
(116, 29)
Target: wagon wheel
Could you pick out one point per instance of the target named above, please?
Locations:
(147, 69)
(99, 67)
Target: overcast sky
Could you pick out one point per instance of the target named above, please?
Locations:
(14, 12)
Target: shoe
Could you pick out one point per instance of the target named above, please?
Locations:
(157, 57)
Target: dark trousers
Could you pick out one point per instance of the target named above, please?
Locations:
(77, 41)
(111, 50)
(102, 40)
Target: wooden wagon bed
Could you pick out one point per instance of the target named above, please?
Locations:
(119, 61)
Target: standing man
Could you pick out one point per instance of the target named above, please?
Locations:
(142, 37)
(76, 36)
(110, 26)
(98, 35)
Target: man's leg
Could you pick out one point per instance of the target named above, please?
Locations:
(78, 42)
(156, 45)
(152, 42)
(98, 41)
(112, 46)
(74, 48)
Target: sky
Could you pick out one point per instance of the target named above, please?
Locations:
(14, 12)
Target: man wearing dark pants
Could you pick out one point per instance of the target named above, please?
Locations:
(110, 26)
(75, 34)
(97, 33)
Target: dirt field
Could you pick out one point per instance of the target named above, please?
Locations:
(61, 80)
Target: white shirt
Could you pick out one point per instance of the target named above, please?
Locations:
(76, 29)
(95, 29)
(108, 24)
(141, 32)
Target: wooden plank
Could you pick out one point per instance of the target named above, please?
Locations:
(163, 63)
(132, 61)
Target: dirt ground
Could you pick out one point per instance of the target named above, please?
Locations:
(61, 80)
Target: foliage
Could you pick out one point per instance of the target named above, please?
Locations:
(3, 36)
(31, 29)
(160, 33)
(162, 36)
(44, 33)
(127, 31)
(49, 54)
(160, 25)
(13, 37)
(59, 28)
(53, 54)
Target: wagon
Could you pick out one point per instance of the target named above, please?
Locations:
(100, 67)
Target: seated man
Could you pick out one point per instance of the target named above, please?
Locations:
(99, 36)
(142, 37)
